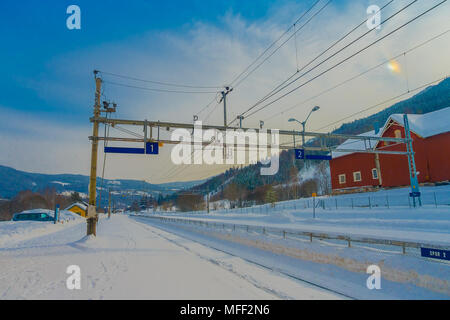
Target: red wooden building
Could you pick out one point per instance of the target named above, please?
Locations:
(431, 143)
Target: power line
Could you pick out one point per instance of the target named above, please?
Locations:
(318, 56)
(360, 74)
(272, 53)
(384, 102)
(282, 86)
(157, 89)
(159, 82)
(273, 43)
(348, 58)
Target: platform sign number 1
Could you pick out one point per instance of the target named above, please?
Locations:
(151, 148)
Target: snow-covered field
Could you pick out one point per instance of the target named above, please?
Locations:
(333, 266)
(133, 260)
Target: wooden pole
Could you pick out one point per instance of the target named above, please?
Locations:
(92, 213)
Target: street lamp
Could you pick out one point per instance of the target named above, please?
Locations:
(303, 123)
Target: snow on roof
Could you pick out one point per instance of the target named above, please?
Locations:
(355, 144)
(31, 211)
(426, 125)
(79, 204)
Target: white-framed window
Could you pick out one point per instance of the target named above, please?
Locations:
(357, 176)
(342, 178)
(374, 173)
(398, 134)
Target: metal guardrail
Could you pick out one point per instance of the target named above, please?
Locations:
(312, 235)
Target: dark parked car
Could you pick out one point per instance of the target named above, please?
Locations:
(32, 216)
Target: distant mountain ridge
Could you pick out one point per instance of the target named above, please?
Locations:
(13, 181)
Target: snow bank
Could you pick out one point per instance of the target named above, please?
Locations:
(16, 231)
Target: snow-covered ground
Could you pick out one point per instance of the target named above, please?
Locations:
(134, 257)
(329, 265)
(131, 259)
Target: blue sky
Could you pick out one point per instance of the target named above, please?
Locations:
(47, 82)
(33, 32)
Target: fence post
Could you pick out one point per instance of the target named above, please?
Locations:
(284, 234)
(370, 204)
(314, 207)
(435, 202)
(335, 200)
(387, 201)
(352, 203)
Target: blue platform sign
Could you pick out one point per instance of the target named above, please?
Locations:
(124, 150)
(299, 154)
(435, 253)
(317, 157)
(152, 148)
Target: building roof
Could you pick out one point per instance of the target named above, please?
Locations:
(355, 144)
(424, 125)
(82, 205)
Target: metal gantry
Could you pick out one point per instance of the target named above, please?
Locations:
(149, 127)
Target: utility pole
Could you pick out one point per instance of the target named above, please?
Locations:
(92, 214)
(303, 123)
(240, 120)
(224, 99)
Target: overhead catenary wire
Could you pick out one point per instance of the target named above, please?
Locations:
(272, 44)
(169, 84)
(307, 64)
(284, 42)
(282, 86)
(348, 58)
(157, 89)
(360, 74)
(383, 102)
